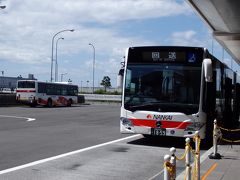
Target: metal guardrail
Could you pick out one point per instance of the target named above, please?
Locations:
(8, 99)
(102, 97)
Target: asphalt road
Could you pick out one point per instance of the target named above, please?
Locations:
(32, 134)
(55, 131)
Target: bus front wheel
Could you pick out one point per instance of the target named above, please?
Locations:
(49, 103)
(69, 103)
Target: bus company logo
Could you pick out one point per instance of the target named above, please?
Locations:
(160, 117)
(149, 116)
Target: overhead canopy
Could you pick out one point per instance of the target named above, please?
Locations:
(223, 17)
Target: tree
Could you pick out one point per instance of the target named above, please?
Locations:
(106, 82)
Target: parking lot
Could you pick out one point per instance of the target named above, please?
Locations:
(35, 141)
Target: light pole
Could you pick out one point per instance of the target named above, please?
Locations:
(87, 84)
(81, 86)
(56, 63)
(71, 30)
(93, 64)
(62, 76)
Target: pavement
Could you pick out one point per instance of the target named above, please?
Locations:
(225, 168)
(78, 166)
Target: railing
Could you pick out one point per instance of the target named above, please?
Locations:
(8, 99)
(218, 137)
(102, 97)
(190, 172)
(193, 172)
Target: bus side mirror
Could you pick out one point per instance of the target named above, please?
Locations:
(207, 67)
(120, 78)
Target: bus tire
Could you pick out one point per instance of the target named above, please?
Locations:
(49, 103)
(69, 103)
(33, 104)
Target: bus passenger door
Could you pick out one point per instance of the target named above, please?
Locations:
(209, 104)
(236, 101)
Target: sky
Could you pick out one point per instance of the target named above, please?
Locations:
(111, 26)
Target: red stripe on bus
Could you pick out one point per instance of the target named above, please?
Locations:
(26, 91)
(164, 124)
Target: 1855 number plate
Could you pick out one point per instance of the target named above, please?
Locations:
(158, 132)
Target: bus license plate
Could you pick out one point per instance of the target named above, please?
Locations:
(158, 132)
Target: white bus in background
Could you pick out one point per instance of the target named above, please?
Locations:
(35, 93)
(176, 91)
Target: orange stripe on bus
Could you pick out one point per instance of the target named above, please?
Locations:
(164, 123)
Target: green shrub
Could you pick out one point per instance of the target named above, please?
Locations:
(99, 91)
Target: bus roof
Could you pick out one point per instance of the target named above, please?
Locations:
(165, 47)
(64, 83)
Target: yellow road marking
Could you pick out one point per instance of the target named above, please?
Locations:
(209, 171)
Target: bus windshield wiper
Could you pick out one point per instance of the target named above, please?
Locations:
(164, 107)
(145, 105)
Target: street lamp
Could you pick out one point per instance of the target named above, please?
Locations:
(87, 83)
(56, 63)
(71, 30)
(81, 86)
(62, 76)
(93, 64)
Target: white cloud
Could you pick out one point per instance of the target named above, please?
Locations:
(188, 35)
(27, 27)
(186, 38)
(111, 11)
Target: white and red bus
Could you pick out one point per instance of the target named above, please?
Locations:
(34, 93)
(176, 91)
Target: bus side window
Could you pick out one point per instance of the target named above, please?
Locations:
(41, 88)
(75, 91)
(58, 89)
(50, 89)
(64, 90)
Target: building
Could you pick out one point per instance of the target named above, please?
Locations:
(11, 82)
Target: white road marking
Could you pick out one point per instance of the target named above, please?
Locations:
(64, 155)
(31, 119)
(156, 175)
(19, 117)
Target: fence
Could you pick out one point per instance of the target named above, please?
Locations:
(102, 97)
(8, 99)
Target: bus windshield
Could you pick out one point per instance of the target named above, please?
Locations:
(162, 87)
(26, 84)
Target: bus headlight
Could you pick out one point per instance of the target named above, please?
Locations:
(194, 126)
(126, 122)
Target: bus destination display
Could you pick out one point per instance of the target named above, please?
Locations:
(164, 56)
(169, 56)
